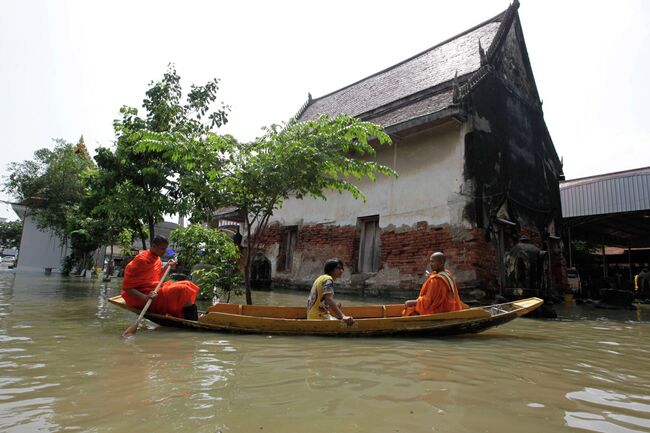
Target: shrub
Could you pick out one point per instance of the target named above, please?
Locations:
(213, 258)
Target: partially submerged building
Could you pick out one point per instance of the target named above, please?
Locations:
(477, 172)
(40, 249)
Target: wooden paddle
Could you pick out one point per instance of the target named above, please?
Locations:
(131, 330)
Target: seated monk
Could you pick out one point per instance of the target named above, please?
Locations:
(141, 276)
(438, 294)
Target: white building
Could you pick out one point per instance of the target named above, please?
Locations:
(39, 249)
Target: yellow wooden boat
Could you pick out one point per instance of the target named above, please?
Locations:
(370, 320)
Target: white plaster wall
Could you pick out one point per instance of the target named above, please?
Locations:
(430, 168)
(39, 249)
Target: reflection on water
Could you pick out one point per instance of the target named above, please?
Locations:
(63, 366)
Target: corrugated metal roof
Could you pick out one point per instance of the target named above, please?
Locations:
(626, 191)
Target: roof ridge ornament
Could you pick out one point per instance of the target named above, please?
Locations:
(506, 23)
(460, 92)
(455, 87)
(303, 108)
(481, 53)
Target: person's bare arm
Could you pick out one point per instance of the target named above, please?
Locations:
(141, 296)
(334, 309)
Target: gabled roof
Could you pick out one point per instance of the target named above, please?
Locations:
(419, 86)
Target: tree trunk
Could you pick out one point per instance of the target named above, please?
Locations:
(253, 244)
(152, 234)
(247, 280)
(84, 263)
(142, 238)
(247, 268)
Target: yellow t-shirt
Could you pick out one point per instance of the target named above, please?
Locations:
(315, 308)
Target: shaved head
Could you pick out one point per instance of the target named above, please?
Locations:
(438, 257)
(437, 261)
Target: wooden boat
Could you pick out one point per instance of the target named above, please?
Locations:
(371, 320)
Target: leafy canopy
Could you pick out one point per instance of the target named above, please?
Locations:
(213, 256)
(10, 234)
(301, 159)
(143, 178)
(55, 180)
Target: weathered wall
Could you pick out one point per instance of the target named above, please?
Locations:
(428, 191)
(511, 166)
(404, 257)
(39, 249)
(430, 176)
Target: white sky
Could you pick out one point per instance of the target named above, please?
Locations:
(66, 67)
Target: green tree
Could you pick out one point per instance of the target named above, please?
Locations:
(108, 201)
(300, 159)
(212, 256)
(54, 180)
(125, 242)
(10, 234)
(64, 196)
(86, 236)
(145, 180)
(204, 164)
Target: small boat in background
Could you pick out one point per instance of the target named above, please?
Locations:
(370, 320)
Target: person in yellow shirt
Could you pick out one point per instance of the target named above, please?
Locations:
(321, 304)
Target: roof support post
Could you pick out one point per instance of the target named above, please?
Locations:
(602, 250)
(629, 261)
(570, 254)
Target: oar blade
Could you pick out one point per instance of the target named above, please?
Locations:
(131, 330)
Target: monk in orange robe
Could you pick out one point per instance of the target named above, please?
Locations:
(141, 276)
(438, 294)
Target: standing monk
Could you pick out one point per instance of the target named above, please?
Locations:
(141, 276)
(438, 294)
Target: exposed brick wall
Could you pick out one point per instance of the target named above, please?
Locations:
(466, 250)
(321, 242)
(272, 235)
(317, 242)
(404, 249)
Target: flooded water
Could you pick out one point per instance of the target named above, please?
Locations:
(64, 366)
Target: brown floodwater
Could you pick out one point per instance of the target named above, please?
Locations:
(64, 367)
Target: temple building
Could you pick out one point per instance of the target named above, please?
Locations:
(478, 176)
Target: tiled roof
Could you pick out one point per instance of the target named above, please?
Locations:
(414, 80)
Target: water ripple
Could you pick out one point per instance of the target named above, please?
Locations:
(70, 370)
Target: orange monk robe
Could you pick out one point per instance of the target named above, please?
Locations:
(143, 274)
(437, 296)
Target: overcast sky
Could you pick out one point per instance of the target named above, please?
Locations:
(68, 66)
